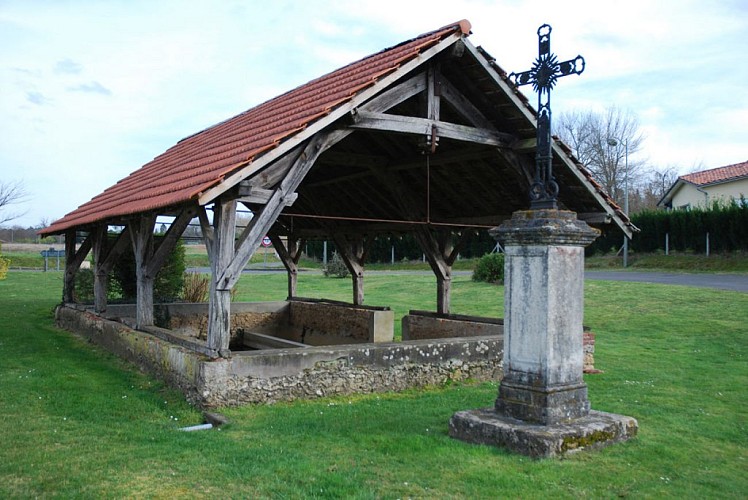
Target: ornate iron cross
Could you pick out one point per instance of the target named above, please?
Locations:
(543, 75)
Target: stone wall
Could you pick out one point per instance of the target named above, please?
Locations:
(178, 366)
(323, 322)
(287, 374)
(418, 325)
(309, 321)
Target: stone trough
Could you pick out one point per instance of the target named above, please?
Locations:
(307, 349)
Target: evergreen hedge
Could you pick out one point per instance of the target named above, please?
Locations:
(406, 248)
(726, 224)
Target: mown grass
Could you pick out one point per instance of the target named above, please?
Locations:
(675, 262)
(78, 422)
(197, 257)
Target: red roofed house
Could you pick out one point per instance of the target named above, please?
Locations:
(428, 137)
(701, 189)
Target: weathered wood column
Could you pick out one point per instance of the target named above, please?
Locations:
(105, 256)
(289, 255)
(73, 261)
(141, 236)
(441, 254)
(353, 254)
(101, 275)
(222, 253)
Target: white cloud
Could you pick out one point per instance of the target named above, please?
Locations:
(90, 91)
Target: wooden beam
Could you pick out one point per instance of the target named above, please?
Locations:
(119, 246)
(365, 120)
(169, 241)
(261, 223)
(207, 230)
(463, 106)
(289, 255)
(260, 196)
(246, 170)
(395, 95)
(271, 175)
(439, 253)
(353, 253)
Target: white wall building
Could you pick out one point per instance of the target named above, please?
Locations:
(702, 189)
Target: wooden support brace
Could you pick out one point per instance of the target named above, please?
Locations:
(353, 254)
(105, 256)
(441, 254)
(289, 255)
(261, 223)
(73, 261)
(169, 240)
(207, 231)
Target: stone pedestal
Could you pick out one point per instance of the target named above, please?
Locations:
(542, 408)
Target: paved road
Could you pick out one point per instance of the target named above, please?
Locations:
(733, 282)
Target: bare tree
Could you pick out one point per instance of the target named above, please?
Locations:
(11, 193)
(602, 142)
(657, 184)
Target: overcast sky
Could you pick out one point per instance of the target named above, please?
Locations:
(90, 90)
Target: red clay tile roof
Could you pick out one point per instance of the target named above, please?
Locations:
(716, 175)
(203, 160)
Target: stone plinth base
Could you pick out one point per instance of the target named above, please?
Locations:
(596, 430)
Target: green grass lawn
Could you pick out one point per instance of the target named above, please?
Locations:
(78, 422)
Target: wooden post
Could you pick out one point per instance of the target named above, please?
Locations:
(101, 274)
(105, 256)
(141, 235)
(441, 254)
(222, 253)
(290, 256)
(353, 254)
(73, 260)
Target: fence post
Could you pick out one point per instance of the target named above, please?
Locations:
(667, 243)
(707, 243)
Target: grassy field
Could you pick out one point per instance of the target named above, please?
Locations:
(78, 422)
(27, 256)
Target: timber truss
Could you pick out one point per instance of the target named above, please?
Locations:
(442, 148)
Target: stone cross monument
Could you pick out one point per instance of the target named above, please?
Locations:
(542, 409)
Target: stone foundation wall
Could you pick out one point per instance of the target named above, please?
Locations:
(288, 374)
(309, 321)
(418, 325)
(178, 366)
(317, 322)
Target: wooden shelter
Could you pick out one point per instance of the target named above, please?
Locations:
(427, 137)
